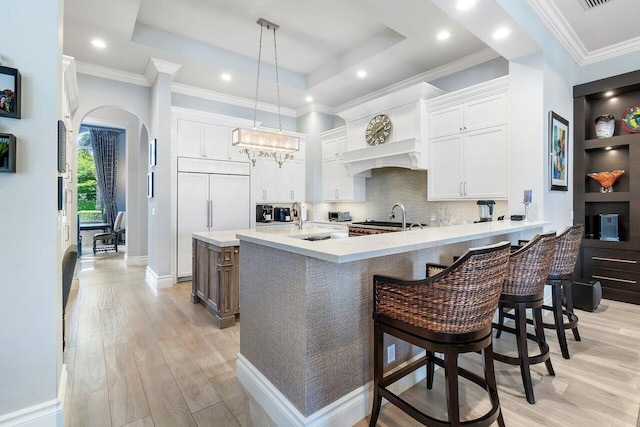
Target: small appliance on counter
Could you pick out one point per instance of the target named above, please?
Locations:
(264, 213)
(340, 216)
(485, 210)
(282, 214)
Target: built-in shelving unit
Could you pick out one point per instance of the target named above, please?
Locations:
(616, 264)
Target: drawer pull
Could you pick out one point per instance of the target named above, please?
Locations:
(626, 261)
(633, 282)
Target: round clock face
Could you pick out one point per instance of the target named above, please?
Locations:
(378, 130)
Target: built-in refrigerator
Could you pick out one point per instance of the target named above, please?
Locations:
(211, 196)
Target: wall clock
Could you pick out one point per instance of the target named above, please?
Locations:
(378, 130)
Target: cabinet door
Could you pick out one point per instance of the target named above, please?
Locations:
(345, 183)
(298, 181)
(486, 155)
(485, 112)
(447, 121)
(444, 176)
(193, 209)
(330, 179)
(190, 138)
(291, 181)
(330, 148)
(228, 277)
(213, 278)
(216, 142)
(201, 275)
(230, 202)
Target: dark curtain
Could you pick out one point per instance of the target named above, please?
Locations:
(104, 143)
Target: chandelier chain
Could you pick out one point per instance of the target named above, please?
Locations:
(275, 54)
(255, 106)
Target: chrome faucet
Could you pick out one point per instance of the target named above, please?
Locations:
(296, 214)
(404, 215)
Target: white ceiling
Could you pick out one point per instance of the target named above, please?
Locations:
(321, 44)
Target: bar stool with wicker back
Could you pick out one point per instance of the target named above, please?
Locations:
(560, 279)
(449, 313)
(523, 289)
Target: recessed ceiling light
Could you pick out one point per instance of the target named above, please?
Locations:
(226, 77)
(608, 93)
(608, 148)
(361, 74)
(465, 4)
(443, 35)
(98, 43)
(309, 99)
(501, 33)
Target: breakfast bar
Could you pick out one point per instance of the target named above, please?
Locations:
(306, 340)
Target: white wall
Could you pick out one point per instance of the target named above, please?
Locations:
(30, 290)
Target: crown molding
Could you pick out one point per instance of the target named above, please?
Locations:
(230, 99)
(111, 74)
(156, 66)
(319, 108)
(477, 58)
(555, 22)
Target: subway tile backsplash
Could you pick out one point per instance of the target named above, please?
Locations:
(390, 185)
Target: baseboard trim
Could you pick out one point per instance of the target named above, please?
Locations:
(158, 282)
(135, 260)
(44, 414)
(347, 410)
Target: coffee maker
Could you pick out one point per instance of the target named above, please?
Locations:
(485, 210)
(264, 213)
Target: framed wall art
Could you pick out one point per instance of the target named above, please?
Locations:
(62, 147)
(152, 153)
(558, 152)
(7, 153)
(9, 92)
(150, 185)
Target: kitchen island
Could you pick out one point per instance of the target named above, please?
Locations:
(306, 339)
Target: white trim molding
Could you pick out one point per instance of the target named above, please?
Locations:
(158, 282)
(347, 410)
(156, 66)
(45, 414)
(555, 21)
(135, 260)
(110, 74)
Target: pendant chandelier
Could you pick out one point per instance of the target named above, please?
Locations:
(261, 142)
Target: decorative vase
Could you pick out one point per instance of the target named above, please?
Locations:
(605, 126)
(606, 179)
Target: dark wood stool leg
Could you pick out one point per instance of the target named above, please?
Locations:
(490, 377)
(430, 370)
(378, 346)
(451, 378)
(559, 320)
(523, 352)
(542, 342)
(500, 320)
(568, 291)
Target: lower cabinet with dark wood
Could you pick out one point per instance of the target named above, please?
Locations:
(618, 270)
(216, 281)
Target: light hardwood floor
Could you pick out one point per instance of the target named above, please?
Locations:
(138, 357)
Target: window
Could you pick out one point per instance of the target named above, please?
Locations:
(89, 204)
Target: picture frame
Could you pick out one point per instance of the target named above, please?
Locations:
(153, 160)
(9, 92)
(61, 193)
(7, 153)
(150, 179)
(558, 153)
(62, 147)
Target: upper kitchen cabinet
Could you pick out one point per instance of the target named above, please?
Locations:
(468, 143)
(284, 184)
(337, 184)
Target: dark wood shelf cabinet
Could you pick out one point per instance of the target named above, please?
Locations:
(615, 264)
(215, 281)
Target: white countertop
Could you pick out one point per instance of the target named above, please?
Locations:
(229, 237)
(364, 247)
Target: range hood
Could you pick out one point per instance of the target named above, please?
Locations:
(407, 143)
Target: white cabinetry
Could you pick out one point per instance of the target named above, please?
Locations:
(280, 184)
(337, 184)
(468, 145)
(207, 141)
